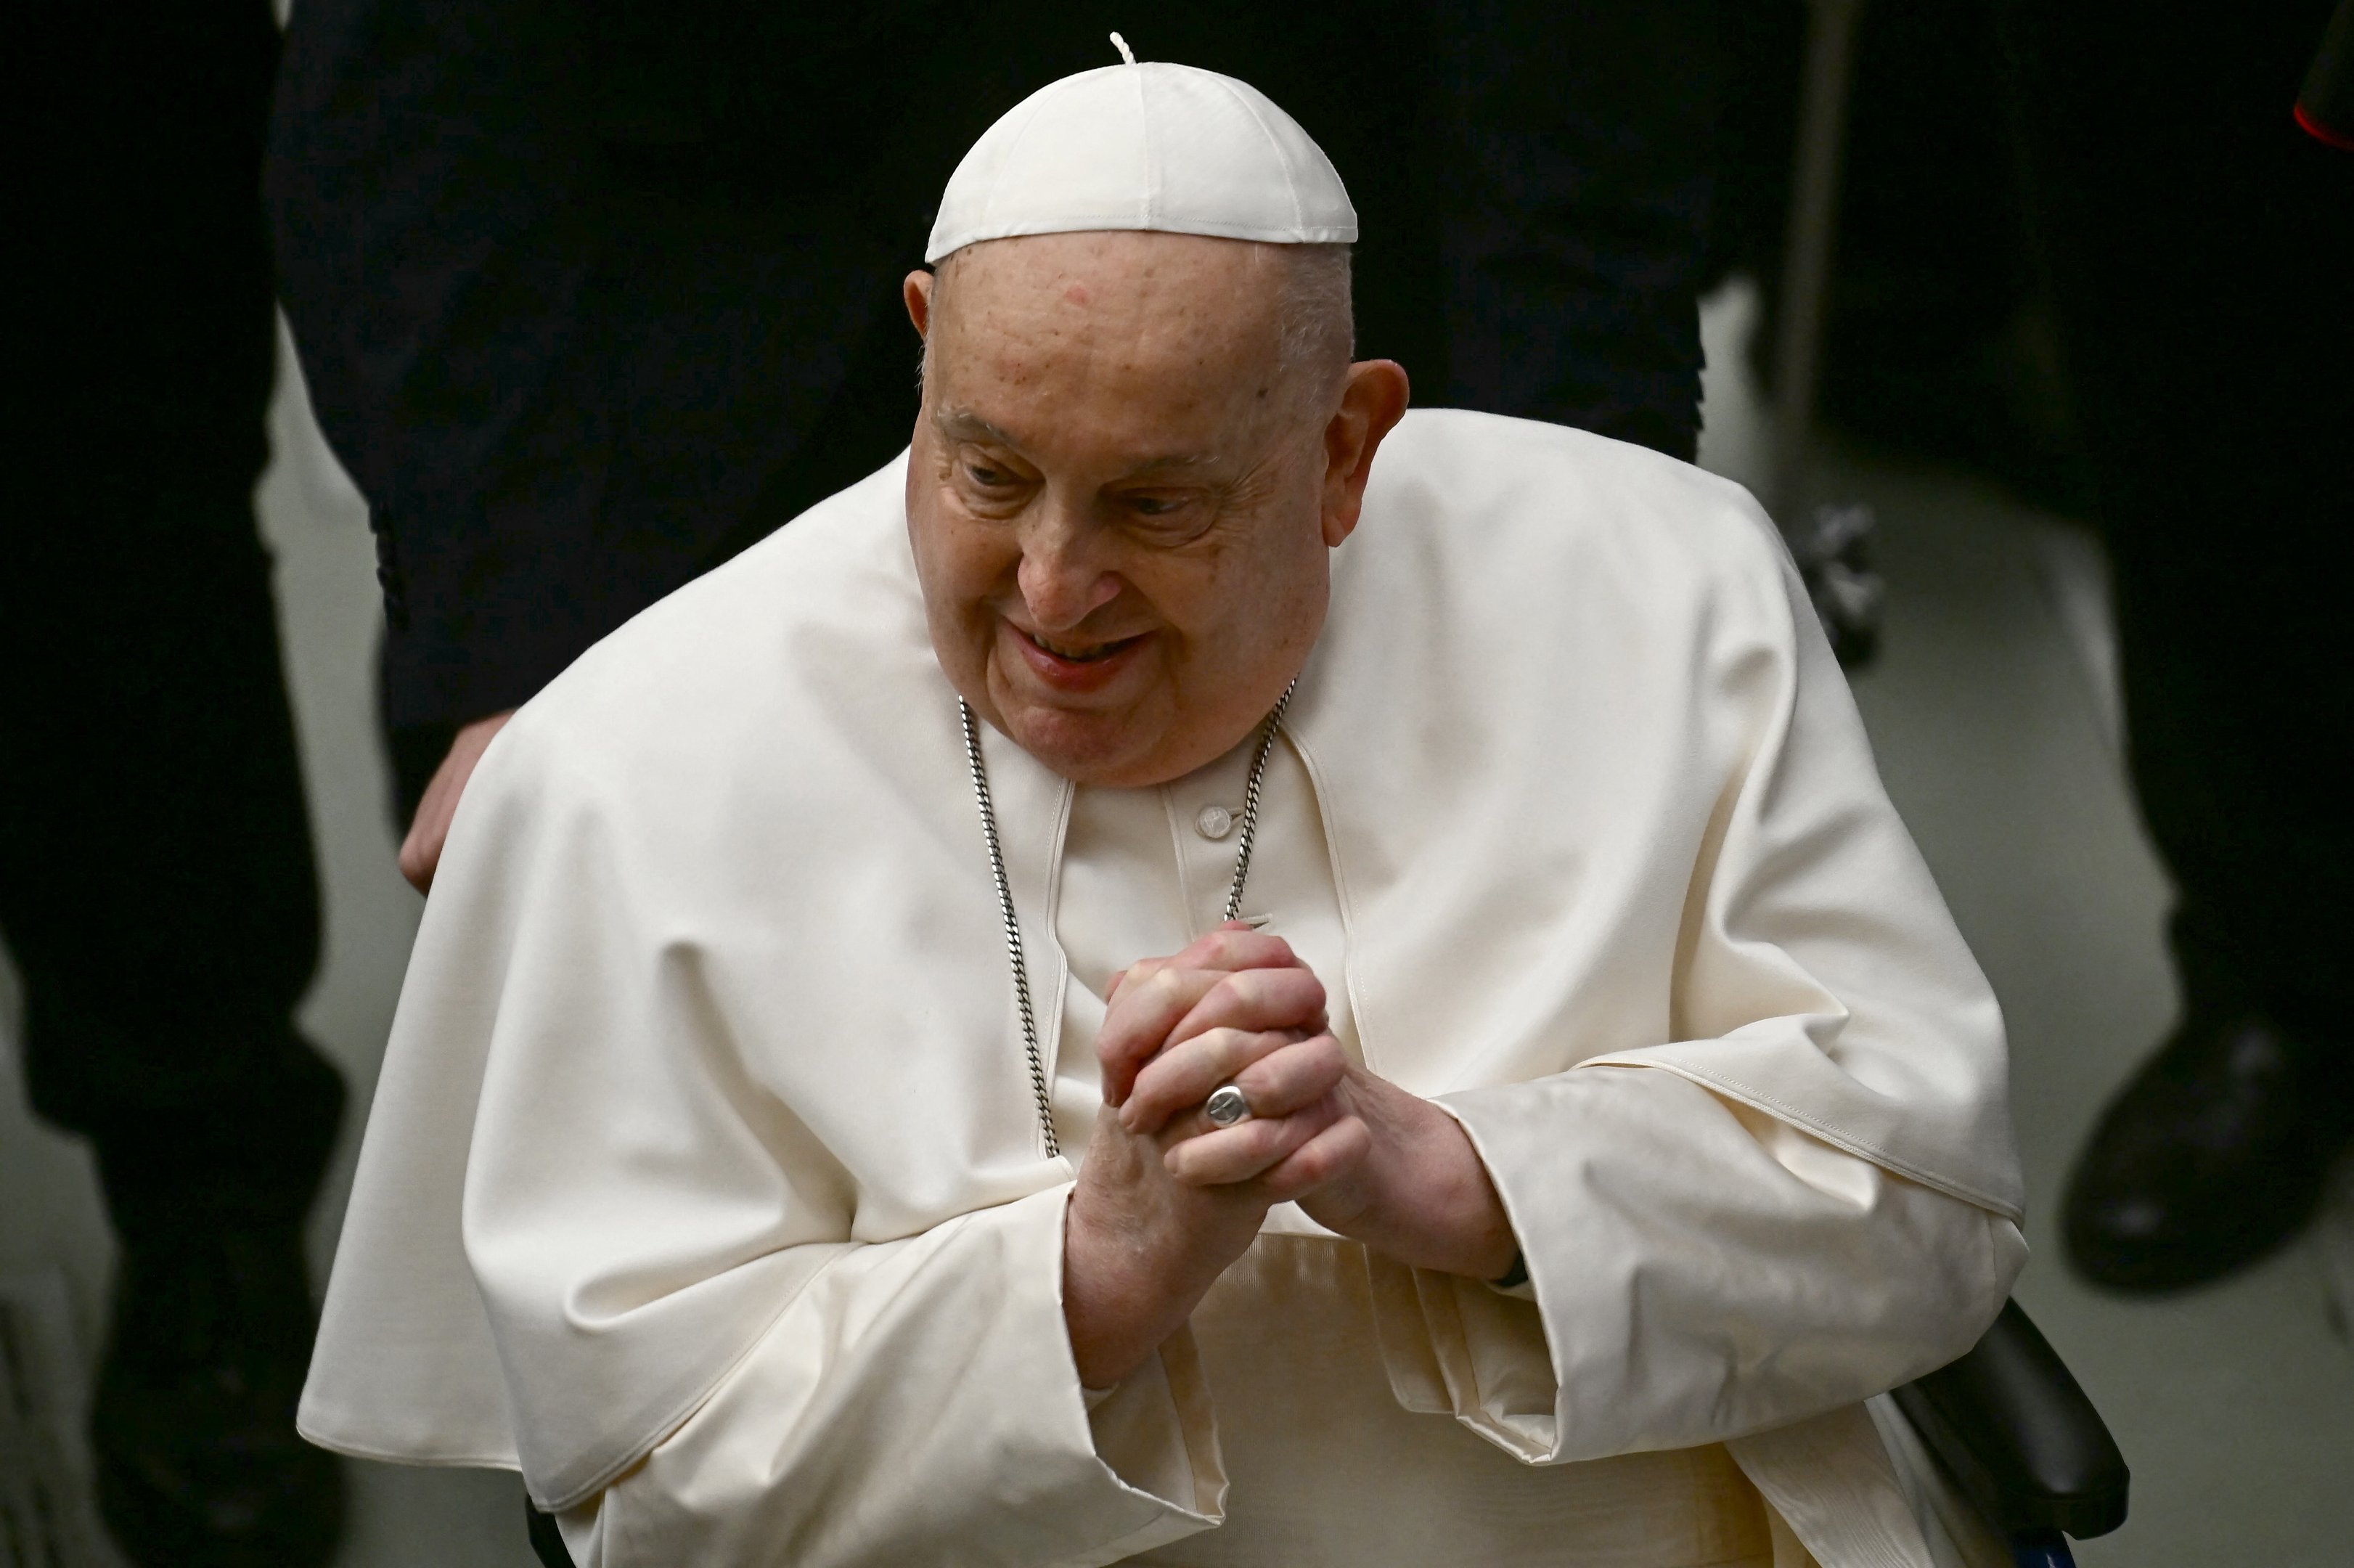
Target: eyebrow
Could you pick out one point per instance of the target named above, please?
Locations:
(963, 425)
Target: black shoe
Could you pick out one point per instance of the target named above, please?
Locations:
(2214, 1156)
(198, 1463)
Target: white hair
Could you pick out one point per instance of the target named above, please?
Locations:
(1319, 317)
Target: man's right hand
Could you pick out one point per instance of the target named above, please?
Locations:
(1148, 1230)
(420, 852)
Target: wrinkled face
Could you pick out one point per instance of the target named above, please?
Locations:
(1122, 509)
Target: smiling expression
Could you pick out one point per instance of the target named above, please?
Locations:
(1121, 506)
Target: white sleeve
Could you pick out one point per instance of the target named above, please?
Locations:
(1736, 1228)
(1700, 1271)
(916, 1402)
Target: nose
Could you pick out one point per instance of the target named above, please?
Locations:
(1062, 578)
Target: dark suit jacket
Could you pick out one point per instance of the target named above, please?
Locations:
(591, 294)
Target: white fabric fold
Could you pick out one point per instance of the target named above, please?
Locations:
(890, 1434)
(1691, 1287)
(1638, 819)
(708, 1049)
(1832, 1484)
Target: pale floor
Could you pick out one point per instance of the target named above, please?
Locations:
(2235, 1406)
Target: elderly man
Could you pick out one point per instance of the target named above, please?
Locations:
(1139, 985)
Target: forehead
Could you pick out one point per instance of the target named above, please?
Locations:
(1109, 319)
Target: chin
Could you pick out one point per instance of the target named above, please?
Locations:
(1098, 749)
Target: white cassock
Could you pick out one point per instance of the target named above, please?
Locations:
(705, 1183)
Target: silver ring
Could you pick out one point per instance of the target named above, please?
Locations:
(1226, 1106)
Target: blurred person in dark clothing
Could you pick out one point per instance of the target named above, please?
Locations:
(157, 892)
(591, 297)
(2201, 247)
(1935, 336)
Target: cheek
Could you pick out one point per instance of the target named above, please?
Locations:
(1257, 597)
(1195, 599)
(954, 579)
(960, 564)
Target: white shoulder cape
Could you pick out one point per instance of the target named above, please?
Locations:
(711, 986)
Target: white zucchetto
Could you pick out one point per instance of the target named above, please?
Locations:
(1153, 147)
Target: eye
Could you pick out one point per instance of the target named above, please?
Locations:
(987, 476)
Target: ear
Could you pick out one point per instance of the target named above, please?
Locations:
(917, 293)
(1371, 403)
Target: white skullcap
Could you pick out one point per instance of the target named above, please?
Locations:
(1151, 146)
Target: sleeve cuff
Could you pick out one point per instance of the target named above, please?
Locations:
(1475, 1349)
(951, 1346)
(1156, 1432)
(1460, 1347)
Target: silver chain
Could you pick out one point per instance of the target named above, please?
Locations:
(1250, 803)
(1029, 1046)
(1013, 929)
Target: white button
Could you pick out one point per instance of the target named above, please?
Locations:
(1214, 821)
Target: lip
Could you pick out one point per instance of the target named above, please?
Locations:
(1074, 676)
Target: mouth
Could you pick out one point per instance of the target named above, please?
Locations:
(1074, 667)
(1089, 653)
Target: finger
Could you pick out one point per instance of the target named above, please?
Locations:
(1138, 1026)
(1142, 969)
(1234, 946)
(1225, 1156)
(1255, 1000)
(420, 850)
(421, 857)
(1156, 994)
(1331, 1155)
(428, 831)
(1296, 1075)
(1184, 1074)
(1278, 1072)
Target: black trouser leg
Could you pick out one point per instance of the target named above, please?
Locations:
(157, 889)
(156, 883)
(2202, 249)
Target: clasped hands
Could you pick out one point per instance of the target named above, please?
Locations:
(1165, 1201)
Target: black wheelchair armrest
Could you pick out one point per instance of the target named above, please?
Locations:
(546, 1542)
(2018, 1436)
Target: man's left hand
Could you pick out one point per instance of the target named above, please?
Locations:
(1421, 1194)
